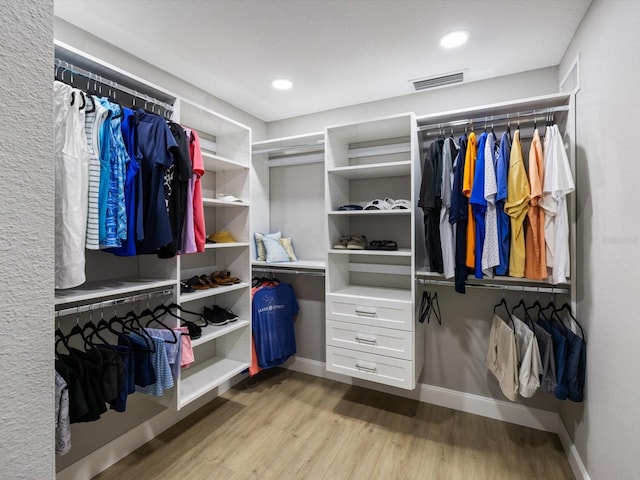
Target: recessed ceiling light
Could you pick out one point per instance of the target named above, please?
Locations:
(282, 84)
(454, 39)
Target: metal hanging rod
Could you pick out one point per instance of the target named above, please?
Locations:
(109, 303)
(514, 288)
(74, 70)
(285, 270)
(502, 119)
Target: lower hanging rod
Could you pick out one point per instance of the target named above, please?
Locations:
(514, 288)
(285, 270)
(115, 301)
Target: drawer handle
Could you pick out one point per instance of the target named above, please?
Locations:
(370, 339)
(367, 312)
(366, 366)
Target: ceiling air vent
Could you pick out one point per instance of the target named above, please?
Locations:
(439, 81)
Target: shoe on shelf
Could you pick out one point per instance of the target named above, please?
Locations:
(400, 204)
(349, 207)
(220, 279)
(196, 283)
(379, 204)
(342, 243)
(207, 281)
(357, 242)
(219, 316)
(388, 245)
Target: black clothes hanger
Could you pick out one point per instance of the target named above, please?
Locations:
(435, 309)
(503, 303)
(526, 319)
(168, 309)
(147, 312)
(537, 305)
(567, 307)
(425, 306)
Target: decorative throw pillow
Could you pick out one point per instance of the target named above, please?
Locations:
(261, 253)
(275, 251)
(288, 247)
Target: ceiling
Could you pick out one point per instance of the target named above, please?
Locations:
(337, 52)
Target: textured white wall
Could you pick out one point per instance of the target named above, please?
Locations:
(607, 427)
(26, 240)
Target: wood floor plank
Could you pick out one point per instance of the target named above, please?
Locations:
(289, 426)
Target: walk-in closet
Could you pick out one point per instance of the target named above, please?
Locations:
(296, 239)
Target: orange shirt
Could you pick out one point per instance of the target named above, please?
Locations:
(535, 266)
(467, 183)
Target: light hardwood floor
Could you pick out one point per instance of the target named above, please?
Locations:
(287, 425)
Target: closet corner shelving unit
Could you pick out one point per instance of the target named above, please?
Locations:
(221, 352)
(225, 351)
(371, 332)
(296, 152)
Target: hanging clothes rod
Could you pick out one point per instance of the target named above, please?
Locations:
(289, 271)
(514, 288)
(113, 302)
(504, 119)
(74, 70)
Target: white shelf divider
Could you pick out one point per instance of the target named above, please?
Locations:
(204, 376)
(211, 292)
(212, 332)
(374, 170)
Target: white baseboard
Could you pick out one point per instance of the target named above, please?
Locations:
(578, 468)
(464, 402)
(112, 452)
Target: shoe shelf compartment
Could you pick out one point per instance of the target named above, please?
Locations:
(234, 220)
(212, 332)
(300, 264)
(211, 292)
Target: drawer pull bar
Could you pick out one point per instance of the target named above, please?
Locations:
(366, 366)
(366, 312)
(370, 339)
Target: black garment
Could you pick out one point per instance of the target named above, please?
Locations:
(156, 144)
(71, 370)
(430, 201)
(176, 183)
(458, 216)
(110, 380)
(91, 380)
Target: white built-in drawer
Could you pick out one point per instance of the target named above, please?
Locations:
(375, 368)
(364, 338)
(370, 311)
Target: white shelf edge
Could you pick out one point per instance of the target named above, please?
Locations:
(226, 245)
(370, 166)
(370, 212)
(375, 293)
(109, 288)
(401, 252)
(212, 202)
(229, 367)
(211, 292)
(495, 280)
(300, 264)
(212, 332)
(213, 159)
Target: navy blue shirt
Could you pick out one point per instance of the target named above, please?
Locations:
(156, 144)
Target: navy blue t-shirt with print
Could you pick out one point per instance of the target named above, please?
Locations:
(156, 144)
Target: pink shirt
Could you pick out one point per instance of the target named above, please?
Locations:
(198, 208)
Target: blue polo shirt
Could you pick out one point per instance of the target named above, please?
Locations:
(479, 204)
(504, 225)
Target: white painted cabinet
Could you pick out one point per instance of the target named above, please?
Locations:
(371, 332)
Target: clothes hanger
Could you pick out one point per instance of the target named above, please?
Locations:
(435, 309)
(567, 307)
(425, 306)
(503, 303)
(147, 312)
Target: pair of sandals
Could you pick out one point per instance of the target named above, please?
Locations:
(388, 204)
(205, 282)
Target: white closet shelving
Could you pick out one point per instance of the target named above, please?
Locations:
(222, 351)
(371, 331)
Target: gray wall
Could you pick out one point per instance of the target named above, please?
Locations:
(26, 240)
(510, 87)
(607, 427)
(455, 351)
